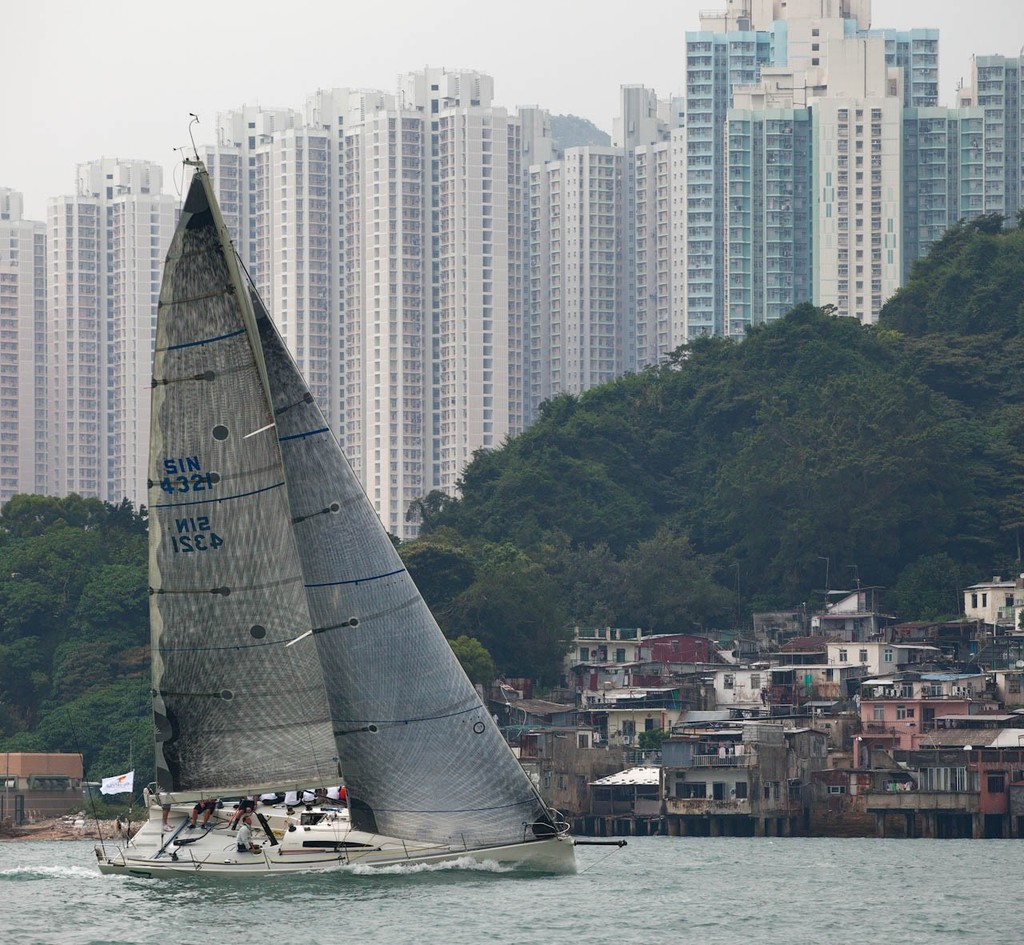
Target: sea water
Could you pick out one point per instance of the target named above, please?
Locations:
(655, 890)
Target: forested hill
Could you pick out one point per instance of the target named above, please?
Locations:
(74, 654)
(893, 451)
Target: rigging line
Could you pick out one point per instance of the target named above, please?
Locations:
(603, 858)
(92, 796)
(357, 581)
(203, 341)
(224, 498)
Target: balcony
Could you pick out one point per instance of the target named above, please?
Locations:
(746, 760)
(702, 806)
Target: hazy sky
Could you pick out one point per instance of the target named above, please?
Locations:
(83, 79)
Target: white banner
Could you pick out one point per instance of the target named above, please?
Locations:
(118, 784)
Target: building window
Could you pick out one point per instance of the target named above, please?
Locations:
(887, 654)
(997, 783)
(728, 681)
(755, 680)
(974, 600)
(741, 790)
(863, 656)
(901, 712)
(878, 712)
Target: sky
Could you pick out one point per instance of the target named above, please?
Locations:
(118, 78)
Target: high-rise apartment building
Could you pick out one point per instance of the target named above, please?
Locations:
(943, 174)
(768, 212)
(386, 232)
(106, 246)
(997, 89)
(716, 64)
(23, 362)
(805, 201)
(577, 314)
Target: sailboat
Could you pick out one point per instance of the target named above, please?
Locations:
(290, 646)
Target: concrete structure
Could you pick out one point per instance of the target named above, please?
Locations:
(741, 779)
(24, 365)
(106, 246)
(38, 785)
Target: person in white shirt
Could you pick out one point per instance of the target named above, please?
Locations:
(243, 839)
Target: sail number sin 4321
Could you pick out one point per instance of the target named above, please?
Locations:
(185, 474)
(194, 534)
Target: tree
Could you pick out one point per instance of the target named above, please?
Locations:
(512, 609)
(475, 659)
(441, 573)
(929, 588)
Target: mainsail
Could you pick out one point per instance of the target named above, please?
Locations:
(235, 708)
(287, 634)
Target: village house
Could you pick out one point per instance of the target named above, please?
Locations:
(621, 715)
(739, 779)
(900, 710)
(854, 618)
(1008, 687)
(963, 786)
(879, 658)
(795, 684)
(992, 603)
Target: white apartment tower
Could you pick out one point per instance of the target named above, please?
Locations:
(106, 247)
(858, 180)
(579, 294)
(475, 288)
(24, 390)
(385, 233)
(997, 86)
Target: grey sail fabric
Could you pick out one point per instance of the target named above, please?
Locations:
(235, 708)
(421, 756)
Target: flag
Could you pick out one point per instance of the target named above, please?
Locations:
(118, 784)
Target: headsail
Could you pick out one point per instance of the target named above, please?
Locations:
(234, 706)
(421, 755)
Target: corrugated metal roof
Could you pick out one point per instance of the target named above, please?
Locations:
(643, 775)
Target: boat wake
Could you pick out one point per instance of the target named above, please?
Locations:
(21, 874)
(463, 864)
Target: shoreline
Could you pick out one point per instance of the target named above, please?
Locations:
(61, 828)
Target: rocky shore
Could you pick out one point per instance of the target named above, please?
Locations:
(59, 828)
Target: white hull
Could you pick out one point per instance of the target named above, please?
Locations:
(329, 845)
